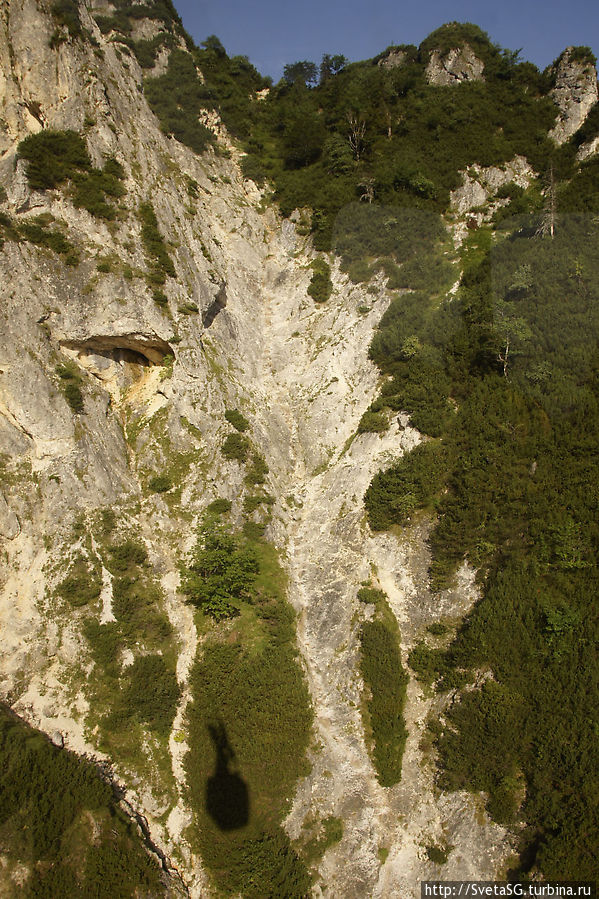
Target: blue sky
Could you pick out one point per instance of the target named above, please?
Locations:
(275, 32)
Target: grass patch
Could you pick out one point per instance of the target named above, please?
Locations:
(329, 832)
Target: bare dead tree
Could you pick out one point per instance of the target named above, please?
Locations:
(549, 213)
(367, 188)
(357, 128)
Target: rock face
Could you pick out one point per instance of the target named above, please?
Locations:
(575, 93)
(454, 67)
(589, 149)
(239, 331)
(393, 59)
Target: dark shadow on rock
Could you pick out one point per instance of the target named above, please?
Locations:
(227, 797)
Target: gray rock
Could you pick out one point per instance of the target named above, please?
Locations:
(458, 65)
(393, 59)
(575, 93)
(9, 523)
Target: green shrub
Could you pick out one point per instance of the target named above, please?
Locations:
(373, 422)
(438, 854)
(239, 421)
(321, 286)
(253, 170)
(386, 679)
(373, 596)
(70, 381)
(235, 446)
(147, 50)
(160, 483)
(253, 502)
(396, 493)
(189, 308)
(359, 271)
(161, 264)
(82, 585)
(257, 471)
(152, 692)
(128, 553)
(160, 298)
(66, 15)
(222, 571)
(177, 98)
(426, 663)
(53, 157)
(118, 22)
(219, 506)
(94, 189)
(36, 231)
(105, 643)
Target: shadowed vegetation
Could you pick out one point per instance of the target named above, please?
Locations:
(60, 819)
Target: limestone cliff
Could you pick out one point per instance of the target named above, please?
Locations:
(575, 93)
(456, 66)
(234, 329)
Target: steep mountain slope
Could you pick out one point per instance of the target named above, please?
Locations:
(165, 373)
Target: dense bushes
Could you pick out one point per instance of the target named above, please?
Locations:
(235, 446)
(508, 476)
(83, 583)
(177, 98)
(412, 483)
(386, 136)
(54, 157)
(235, 418)
(152, 692)
(160, 483)
(66, 16)
(221, 573)
(61, 820)
(161, 264)
(321, 286)
(249, 724)
(385, 681)
(94, 190)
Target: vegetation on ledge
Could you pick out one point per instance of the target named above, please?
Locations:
(56, 157)
(249, 726)
(385, 681)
